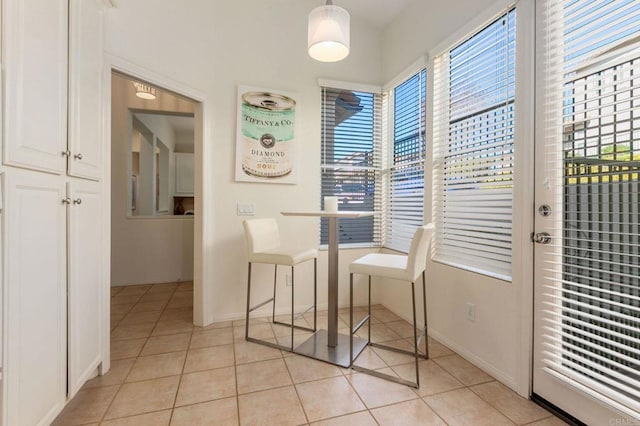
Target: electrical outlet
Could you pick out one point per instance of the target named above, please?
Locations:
(287, 280)
(471, 312)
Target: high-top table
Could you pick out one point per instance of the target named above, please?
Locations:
(328, 345)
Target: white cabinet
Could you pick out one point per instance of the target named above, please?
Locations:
(184, 174)
(46, 85)
(35, 291)
(53, 292)
(35, 72)
(85, 88)
(53, 224)
(85, 276)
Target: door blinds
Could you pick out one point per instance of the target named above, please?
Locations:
(474, 110)
(405, 201)
(351, 160)
(590, 59)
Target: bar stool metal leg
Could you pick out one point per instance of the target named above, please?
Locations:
(315, 294)
(275, 278)
(424, 303)
(293, 312)
(353, 329)
(415, 332)
(350, 320)
(369, 314)
(246, 324)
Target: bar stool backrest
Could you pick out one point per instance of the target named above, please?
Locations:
(417, 260)
(262, 235)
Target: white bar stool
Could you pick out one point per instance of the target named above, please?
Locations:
(402, 268)
(263, 240)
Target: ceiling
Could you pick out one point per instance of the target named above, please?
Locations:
(180, 124)
(377, 12)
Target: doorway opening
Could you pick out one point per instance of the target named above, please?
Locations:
(154, 144)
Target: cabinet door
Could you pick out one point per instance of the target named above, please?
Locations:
(85, 282)
(85, 88)
(35, 370)
(184, 174)
(35, 64)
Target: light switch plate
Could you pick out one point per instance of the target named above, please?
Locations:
(246, 209)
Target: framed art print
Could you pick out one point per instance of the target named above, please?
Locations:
(266, 145)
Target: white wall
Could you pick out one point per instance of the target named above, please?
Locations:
(493, 341)
(212, 47)
(144, 250)
(184, 142)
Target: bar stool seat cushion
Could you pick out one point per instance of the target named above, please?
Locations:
(284, 256)
(392, 266)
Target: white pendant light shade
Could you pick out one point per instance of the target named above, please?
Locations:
(328, 37)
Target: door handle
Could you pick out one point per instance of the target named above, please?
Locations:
(540, 237)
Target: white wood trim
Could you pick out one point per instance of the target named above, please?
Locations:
(477, 23)
(105, 366)
(418, 65)
(204, 178)
(361, 87)
(523, 194)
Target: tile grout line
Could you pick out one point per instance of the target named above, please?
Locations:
(295, 388)
(184, 363)
(345, 374)
(120, 385)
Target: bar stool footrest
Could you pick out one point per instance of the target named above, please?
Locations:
(260, 305)
(270, 344)
(385, 376)
(398, 350)
(297, 327)
(423, 334)
(360, 324)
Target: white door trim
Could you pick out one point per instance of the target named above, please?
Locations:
(203, 229)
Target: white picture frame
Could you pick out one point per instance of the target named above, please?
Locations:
(266, 136)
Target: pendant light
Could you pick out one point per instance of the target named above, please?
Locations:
(328, 36)
(144, 91)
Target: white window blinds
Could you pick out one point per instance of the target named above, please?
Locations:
(351, 161)
(405, 200)
(474, 90)
(589, 54)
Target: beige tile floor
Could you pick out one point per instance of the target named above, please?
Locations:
(166, 371)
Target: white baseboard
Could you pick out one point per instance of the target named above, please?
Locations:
(488, 368)
(491, 370)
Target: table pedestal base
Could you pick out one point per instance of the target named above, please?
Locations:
(316, 347)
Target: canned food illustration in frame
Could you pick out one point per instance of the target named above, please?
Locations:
(266, 139)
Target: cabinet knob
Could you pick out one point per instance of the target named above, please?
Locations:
(66, 153)
(66, 201)
(78, 156)
(77, 201)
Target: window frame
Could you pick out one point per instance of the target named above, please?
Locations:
(523, 102)
(418, 67)
(378, 112)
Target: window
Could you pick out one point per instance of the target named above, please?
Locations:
(350, 161)
(405, 202)
(474, 91)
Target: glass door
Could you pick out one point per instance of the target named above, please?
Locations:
(587, 256)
